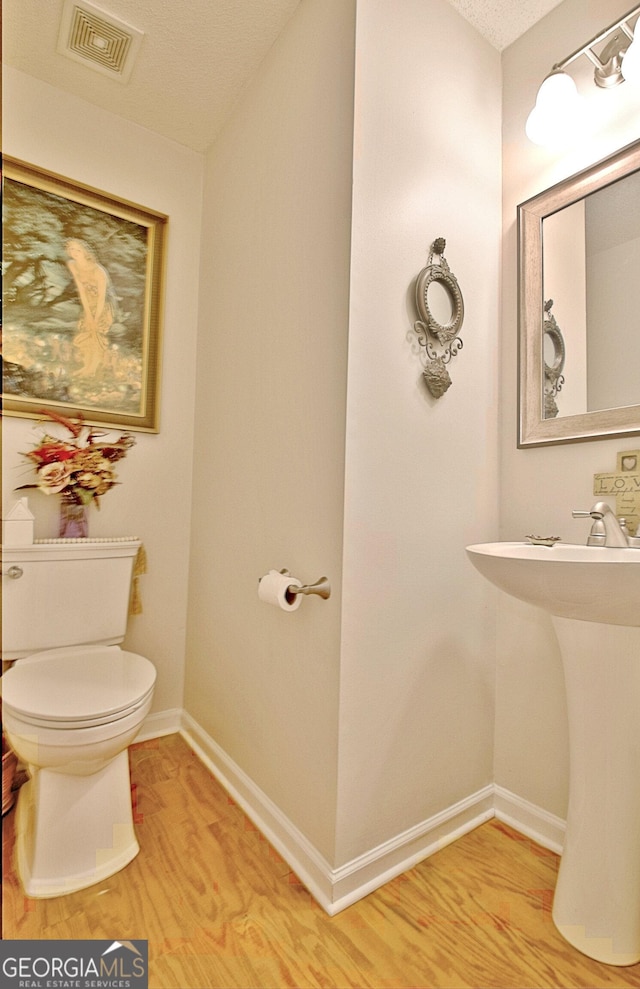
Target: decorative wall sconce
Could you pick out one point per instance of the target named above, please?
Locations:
(554, 357)
(428, 329)
(559, 112)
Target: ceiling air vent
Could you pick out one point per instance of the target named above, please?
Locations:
(98, 40)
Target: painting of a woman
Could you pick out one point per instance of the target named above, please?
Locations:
(97, 299)
(82, 288)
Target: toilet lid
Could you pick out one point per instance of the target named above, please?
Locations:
(63, 687)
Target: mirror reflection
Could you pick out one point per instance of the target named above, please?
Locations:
(591, 265)
(553, 356)
(579, 305)
(440, 302)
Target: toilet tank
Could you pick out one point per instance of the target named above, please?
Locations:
(69, 593)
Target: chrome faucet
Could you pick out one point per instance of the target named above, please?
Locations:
(606, 529)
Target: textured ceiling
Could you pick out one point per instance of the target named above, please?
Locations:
(195, 59)
(502, 21)
(197, 56)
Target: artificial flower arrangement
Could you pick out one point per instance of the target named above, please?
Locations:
(80, 467)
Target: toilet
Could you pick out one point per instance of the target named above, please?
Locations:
(72, 702)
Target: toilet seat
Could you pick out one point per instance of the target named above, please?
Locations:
(78, 687)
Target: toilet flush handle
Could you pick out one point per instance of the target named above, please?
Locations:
(13, 572)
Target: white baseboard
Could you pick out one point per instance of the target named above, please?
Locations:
(337, 888)
(544, 828)
(376, 867)
(303, 858)
(162, 723)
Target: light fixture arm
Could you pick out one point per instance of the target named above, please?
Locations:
(559, 110)
(587, 49)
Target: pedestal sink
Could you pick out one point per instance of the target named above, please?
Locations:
(593, 596)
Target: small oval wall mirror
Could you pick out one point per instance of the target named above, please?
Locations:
(439, 302)
(579, 249)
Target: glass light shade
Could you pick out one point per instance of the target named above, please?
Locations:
(557, 88)
(558, 114)
(630, 67)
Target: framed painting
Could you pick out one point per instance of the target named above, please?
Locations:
(82, 279)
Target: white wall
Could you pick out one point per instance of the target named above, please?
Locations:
(316, 445)
(361, 716)
(49, 128)
(270, 413)
(417, 667)
(540, 486)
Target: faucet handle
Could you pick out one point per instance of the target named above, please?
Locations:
(598, 534)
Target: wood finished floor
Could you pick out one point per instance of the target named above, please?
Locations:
(221, 909)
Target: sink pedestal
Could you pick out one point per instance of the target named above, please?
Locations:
(597, 899)
(593, 596)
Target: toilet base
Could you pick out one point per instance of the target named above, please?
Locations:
(74, 831)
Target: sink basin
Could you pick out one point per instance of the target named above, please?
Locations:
(590, 583)
(593, 596)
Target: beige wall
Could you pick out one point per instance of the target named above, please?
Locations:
(360, 716)
(541, 486)
(49, 128)
(416, 696)
(270, 419)
(316, 445)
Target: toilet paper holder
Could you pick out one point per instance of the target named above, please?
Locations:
(322, 587)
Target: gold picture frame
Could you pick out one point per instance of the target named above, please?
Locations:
(83, 283)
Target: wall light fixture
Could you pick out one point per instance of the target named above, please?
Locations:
(560, 111)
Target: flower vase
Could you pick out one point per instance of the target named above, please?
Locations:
(74, 521)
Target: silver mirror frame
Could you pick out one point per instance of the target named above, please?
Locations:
(533, 429)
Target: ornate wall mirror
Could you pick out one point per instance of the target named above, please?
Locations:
(441, 310)
(579, 246)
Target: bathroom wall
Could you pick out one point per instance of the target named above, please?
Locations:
(49, 128)
(316, 444)
(270, 419)
(417, 664)
(362, 716)
(540, 486)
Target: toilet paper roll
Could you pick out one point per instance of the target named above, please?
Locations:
(272, 589)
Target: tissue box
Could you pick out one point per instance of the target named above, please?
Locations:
(17, 525)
